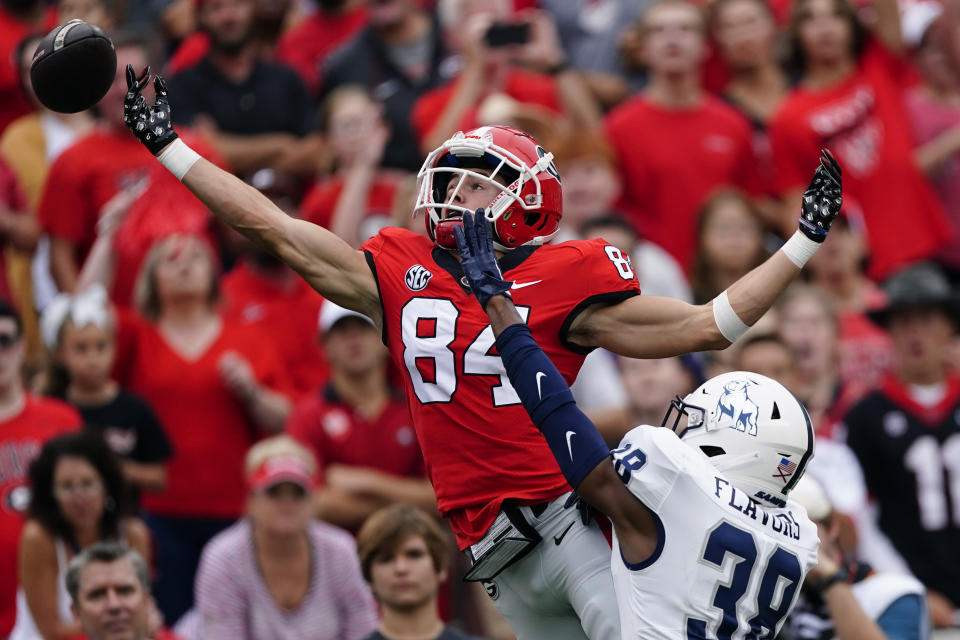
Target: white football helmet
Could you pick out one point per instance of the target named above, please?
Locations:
(753, 429)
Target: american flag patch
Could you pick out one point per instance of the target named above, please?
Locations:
(785, 469)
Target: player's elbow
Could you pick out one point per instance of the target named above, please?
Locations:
(603, 489)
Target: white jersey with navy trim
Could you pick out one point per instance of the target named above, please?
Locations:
(725, 566)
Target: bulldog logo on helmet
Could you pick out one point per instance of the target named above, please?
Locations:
(735, 409)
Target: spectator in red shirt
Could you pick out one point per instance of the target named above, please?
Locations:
(26, 422)
(358, 199)
(216, 387)
(491, 70)
(850, 99)
(675, 143)
(306, 46)
(359, 428)
(84, 178)
(17, 19)
(745, 32)
(262, 292)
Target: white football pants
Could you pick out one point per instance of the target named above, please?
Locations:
(563, 589)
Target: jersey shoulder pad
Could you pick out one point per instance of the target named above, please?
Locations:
(649, 460)
(395, 236)
(595, 265)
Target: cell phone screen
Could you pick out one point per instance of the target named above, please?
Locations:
(502, 34)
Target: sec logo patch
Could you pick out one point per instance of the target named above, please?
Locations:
(417, 277)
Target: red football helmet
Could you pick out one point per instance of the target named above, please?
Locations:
(529, 205)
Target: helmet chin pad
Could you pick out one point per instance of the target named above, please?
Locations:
(443, 233)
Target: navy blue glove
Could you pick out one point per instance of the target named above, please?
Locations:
(149, 123)
(479, 263)
(822, 199)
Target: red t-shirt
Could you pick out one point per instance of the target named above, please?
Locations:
(91, 171)
(338, 435)
(13, 103)
(319, 203)
(208, 427)
(862, 120)
(478, 443)
(522, 86)
(930, 119)
(287, 314)
(671, 160)
(21, 438)
(191, 51)
(307, 45)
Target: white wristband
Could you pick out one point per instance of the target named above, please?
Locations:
(178, 158)
(799, 248)
(729, 323)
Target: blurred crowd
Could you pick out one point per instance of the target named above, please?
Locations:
(168, 385)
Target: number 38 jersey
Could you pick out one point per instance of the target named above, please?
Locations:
(478, 443)
(725, 566)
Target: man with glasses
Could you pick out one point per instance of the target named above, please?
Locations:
(26, 422)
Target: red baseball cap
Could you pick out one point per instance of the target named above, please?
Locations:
(279, 469)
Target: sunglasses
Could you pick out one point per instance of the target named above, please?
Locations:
(7, 340)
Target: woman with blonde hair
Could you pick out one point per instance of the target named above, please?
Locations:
(278, 574)
(215, 386)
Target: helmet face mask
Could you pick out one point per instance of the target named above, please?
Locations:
(752, 428)
(527, 207)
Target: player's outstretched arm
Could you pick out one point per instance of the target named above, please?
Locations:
(325, 261)
(577, 446)
(650, 327)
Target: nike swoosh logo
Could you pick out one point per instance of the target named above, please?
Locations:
(518, 285)
(570, 435)
(540, 376)
(558, 539)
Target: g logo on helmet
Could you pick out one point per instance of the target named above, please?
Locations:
(417, 277)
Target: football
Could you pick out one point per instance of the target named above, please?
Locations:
(73, 67)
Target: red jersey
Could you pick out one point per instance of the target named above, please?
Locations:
(478, 443)
(191, 50)
(208, 427)
(21, 438)
(338, 435)
(307, 45)
(289, 313)
(671, 160)
(862, 120)
(13, 103)
(529, 88)
(91, 171)
(321, 201)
